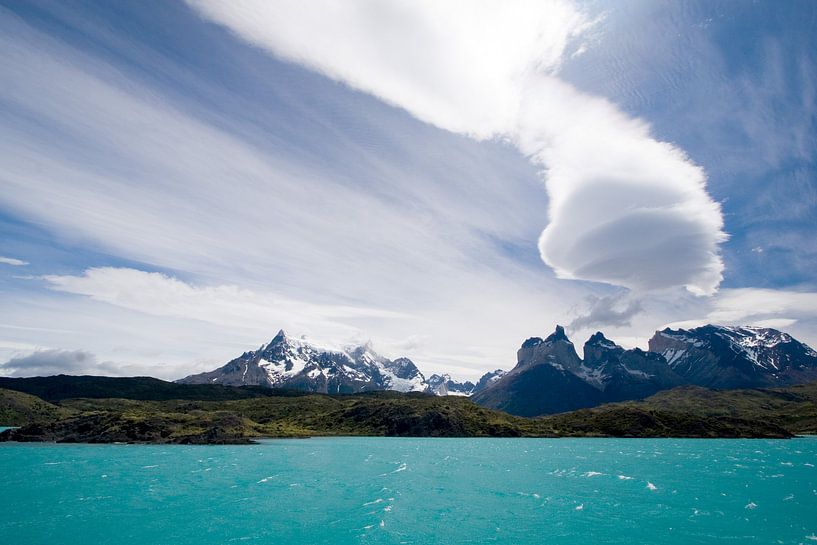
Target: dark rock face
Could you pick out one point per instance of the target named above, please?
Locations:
(537, 390)
(286, 362)
(555, 350)
(736, 357)
(487, 379)
(625, 374)
(550, 377)
(544, 380)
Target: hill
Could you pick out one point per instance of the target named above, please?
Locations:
(722, 413)
(18, 408)
(682, 412)
(59, 387)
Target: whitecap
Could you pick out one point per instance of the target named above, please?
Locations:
(751, 505)
(651, 486)
(624, 478)
(592, 474)
(580, 507)
(373, 502)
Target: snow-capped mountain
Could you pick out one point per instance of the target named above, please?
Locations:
(736, 357)
(444, 385)
(550, 377)
(288, 362)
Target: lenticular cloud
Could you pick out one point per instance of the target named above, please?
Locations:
(624, 209)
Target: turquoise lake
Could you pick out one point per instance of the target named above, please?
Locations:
(389, 490)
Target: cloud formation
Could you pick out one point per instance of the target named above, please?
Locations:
(792, 311)
(158, 294)
(612, 310)
(54, 362)
(625, 209)
(13, 261)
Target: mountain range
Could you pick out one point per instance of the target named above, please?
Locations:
(295, 363)
(549, 376)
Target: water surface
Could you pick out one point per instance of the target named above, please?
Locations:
(386, 490)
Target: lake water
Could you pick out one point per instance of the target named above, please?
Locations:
(384, 490)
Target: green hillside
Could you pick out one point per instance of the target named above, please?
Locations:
(18, 408)
(126, 416)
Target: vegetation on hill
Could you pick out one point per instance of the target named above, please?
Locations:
(18, 408)
(223, 416)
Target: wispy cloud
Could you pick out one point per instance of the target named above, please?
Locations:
(624, 209)
(230, 306)
(13, 261)
(397, 216)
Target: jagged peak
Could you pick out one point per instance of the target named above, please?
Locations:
(558, 335)
(402, 360)
(598, 339)
(532, 341)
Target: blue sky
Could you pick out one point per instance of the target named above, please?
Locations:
(182, 180)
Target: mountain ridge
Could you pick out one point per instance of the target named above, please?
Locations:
(711, 356)
(299, 364)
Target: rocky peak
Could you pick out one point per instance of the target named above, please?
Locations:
(555, 350)
(403, 368)
(488, 379)
(532, 341)
(558, 335)
(736, 357)
(599, 339)
(598, 349)
(280, 337)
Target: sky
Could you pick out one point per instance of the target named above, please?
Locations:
(180, 180)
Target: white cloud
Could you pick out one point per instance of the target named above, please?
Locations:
(158, 294)
(212, 324)
(625, 209)
(13, 261)
(438, 237)
(205, 326)
(792, 311)
(746, 304)
(432, 231)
